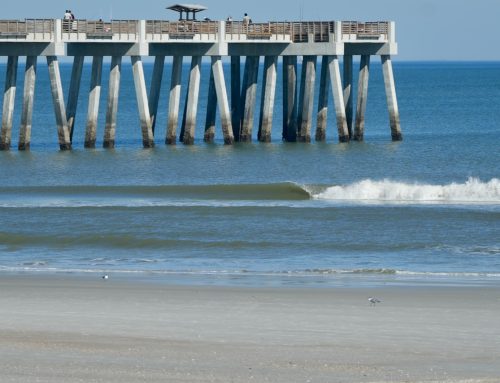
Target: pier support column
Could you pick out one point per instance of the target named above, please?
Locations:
(338, 98)
(221, 91)
(191, 107)
(289, 98)
(306, 100)
(267, 100)
(249, 95)
(74, 91)
(174, 101)
(28, 99)
(58, 99)
(142, 102)
(235, 96)
(9, 98)
(94, 98)
(154, 91)
(322, 101)
(364, 73)
(211, 111)
(392, 102)
(348, 92)
(111, 112)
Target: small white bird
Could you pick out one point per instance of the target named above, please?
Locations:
(105, 276)
(373, 301)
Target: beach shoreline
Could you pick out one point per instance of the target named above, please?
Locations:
(69, 328)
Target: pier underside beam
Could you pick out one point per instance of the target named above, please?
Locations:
(9, 98)
(112, 109)
(174, 100)
(28, 100)
(154, 91)
(142, 102)
(249, 95)
(74, 91)
(289, 98)
(267, 100)
(222, 100)
(348, 94)
(58, 100)
(191, 107)
(338, 98)
(392, 102)
(306, 100)
(322, 101)
(94, 99)
(211, 111)
(235, 96)
(364, 72)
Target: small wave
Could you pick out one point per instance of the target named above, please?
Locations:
(472, 191)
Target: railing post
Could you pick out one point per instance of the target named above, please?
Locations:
(391, 32)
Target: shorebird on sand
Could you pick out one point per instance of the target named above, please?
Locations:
(105, 276)
(373, 301)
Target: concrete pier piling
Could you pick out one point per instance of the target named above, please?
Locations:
(289, 98)
(267, 99)
(174, 100)
(94, 99)
(112, 108)
(28, 100)
(9, 97)
(215, 40)
(306, 100)
(364, 72)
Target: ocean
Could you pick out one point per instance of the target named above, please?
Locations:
(422, 211)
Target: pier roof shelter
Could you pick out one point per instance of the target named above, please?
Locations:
(188, 8)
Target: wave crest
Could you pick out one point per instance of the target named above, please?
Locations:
(472, 191)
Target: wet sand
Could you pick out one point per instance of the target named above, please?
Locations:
(73, 328)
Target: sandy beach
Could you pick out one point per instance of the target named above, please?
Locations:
(68, 328)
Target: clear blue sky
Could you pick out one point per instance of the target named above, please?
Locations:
(426, 29)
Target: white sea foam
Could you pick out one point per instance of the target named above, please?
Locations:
(472, 191)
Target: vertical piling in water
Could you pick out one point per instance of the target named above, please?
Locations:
(58, 100)
(306, 100)
(267, 100)
(392, 102)
(322, 101)
(9, 98)
(211, 111)
(249, 95)
(112, 109)
(191, 106)
(154, 91)
(94, 99)
(142, 102)
(235, 96)
(364, 72)
(174, 100)
(289, 98)
(338, 98)
(348, 99)
(74, 90)
(28, 99)
(222, 100)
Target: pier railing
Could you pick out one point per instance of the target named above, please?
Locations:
(82, 29)
(158, 30)
(354, 30)
(28, 29)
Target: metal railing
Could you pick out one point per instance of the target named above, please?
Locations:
(367, 30)
(40, 29)
(295, 31)
(184, 29)
(98, 29)
(319, 31)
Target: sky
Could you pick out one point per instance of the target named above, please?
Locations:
(425, 29)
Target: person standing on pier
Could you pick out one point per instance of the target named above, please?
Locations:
(246, 19)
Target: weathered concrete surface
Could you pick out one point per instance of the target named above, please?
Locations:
(222, 100)
(392, 102)
(306, 100)
(111, 112)
(174, 100)
(154, 91)
(364, 72)
(338, 98)
(248, 98)
(211, 111)
(94, 99)
(142, 102)
(74, 91)
(192, 101)
(235, 96)
(267, 100)
(348, 94)
(322, 115)
(28, 101)
(9, 97)
(289, 98)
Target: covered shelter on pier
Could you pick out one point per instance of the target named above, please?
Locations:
(187, 8)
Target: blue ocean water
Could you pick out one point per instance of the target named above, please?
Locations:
(424, 210)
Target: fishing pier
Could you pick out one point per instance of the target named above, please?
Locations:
(289, 46)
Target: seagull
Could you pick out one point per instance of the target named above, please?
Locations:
(373, 301)
(105, 276)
